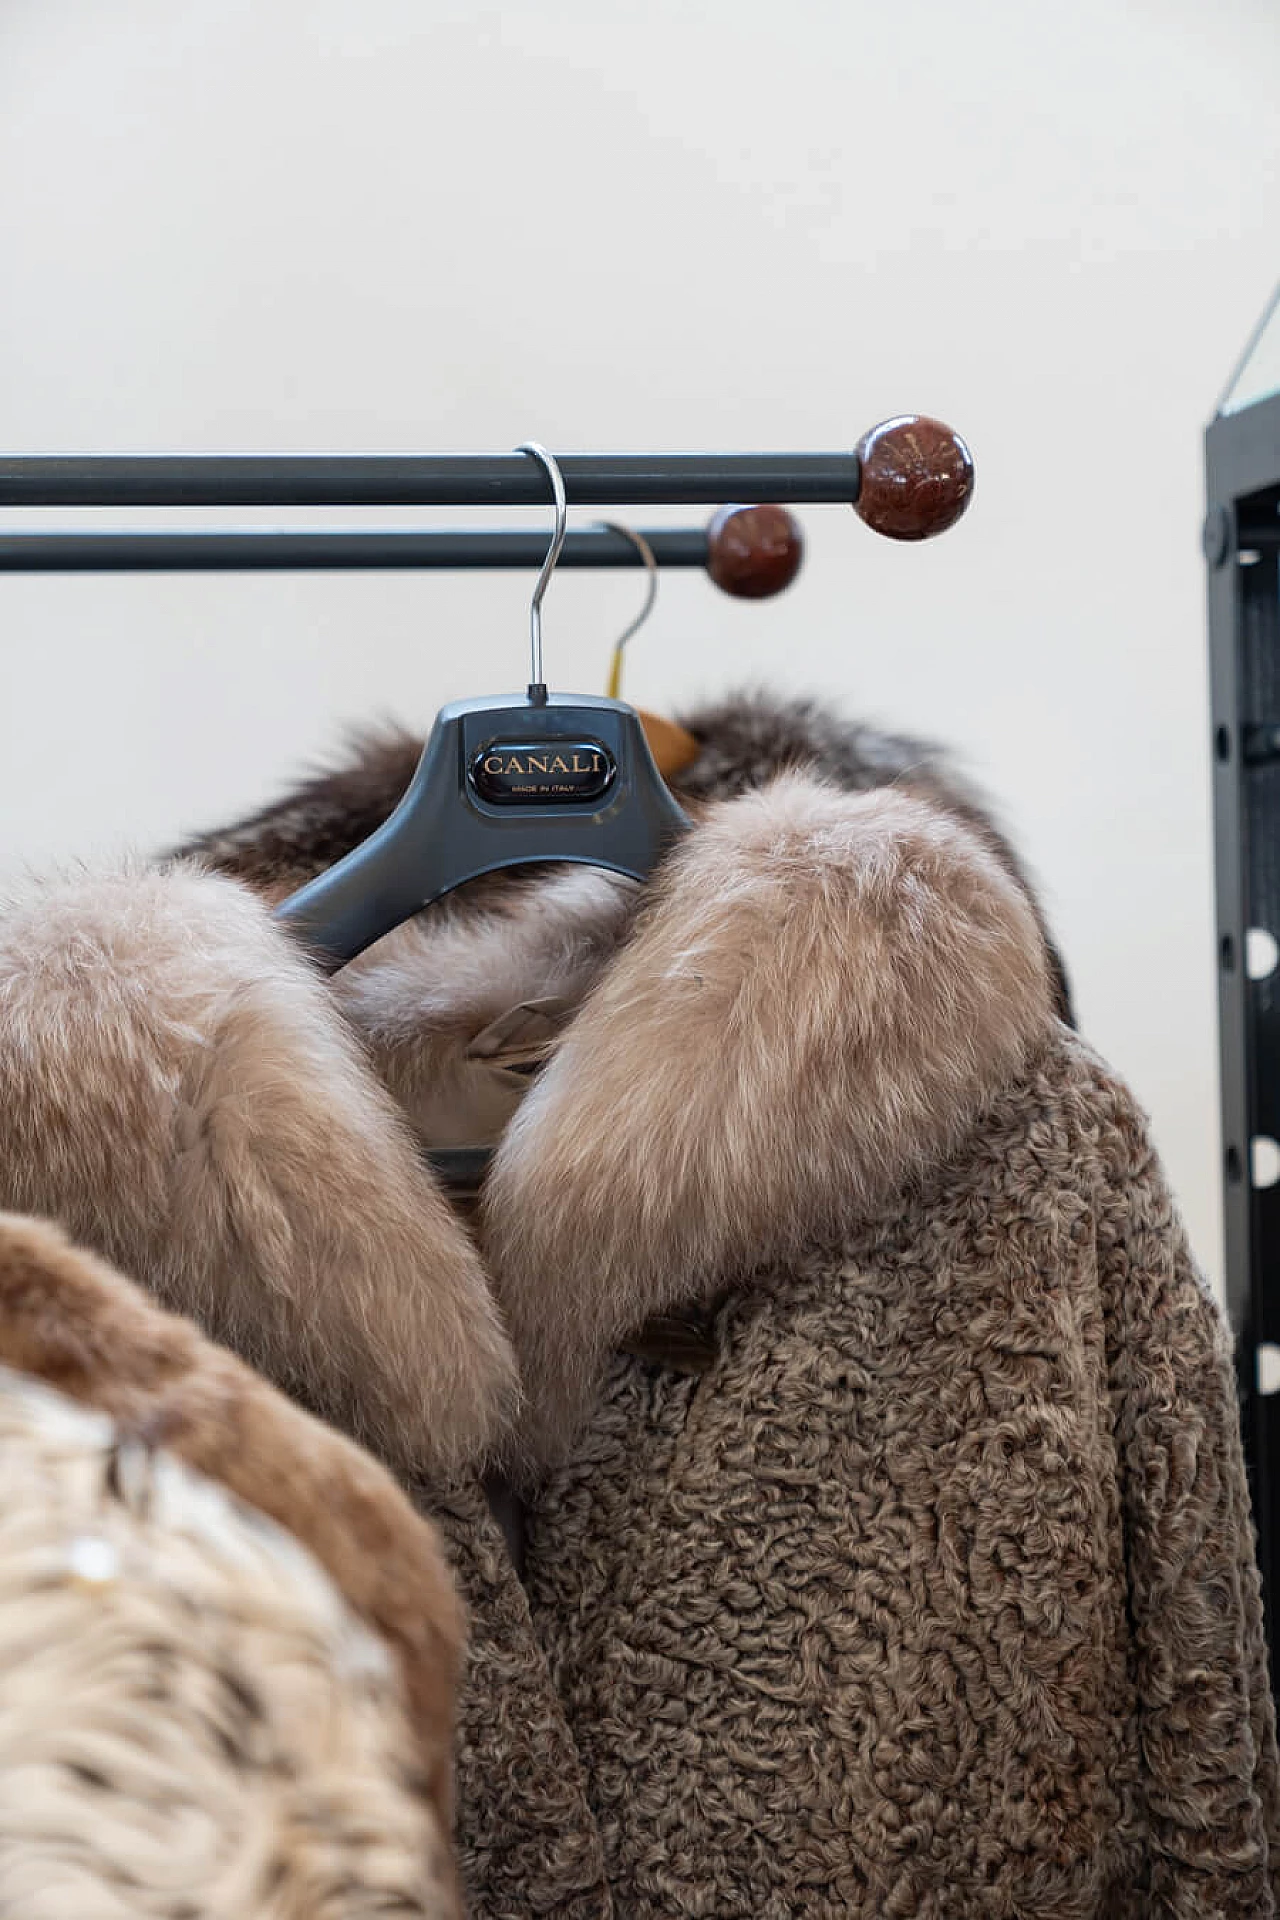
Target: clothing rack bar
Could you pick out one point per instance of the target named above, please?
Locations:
(271, 552)
(423, 480)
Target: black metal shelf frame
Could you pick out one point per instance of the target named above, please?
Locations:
(1242, 548)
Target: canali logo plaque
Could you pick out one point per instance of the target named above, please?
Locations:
(514, 773)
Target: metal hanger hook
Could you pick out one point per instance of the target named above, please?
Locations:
(537, 685)
(638, 541)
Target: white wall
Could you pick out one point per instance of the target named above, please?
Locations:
(418, 225)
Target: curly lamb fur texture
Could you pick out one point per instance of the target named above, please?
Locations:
(819, 997)
(936, 1597)
(177, 1088)
(71, 1321)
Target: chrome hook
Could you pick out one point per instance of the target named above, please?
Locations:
(537, 685)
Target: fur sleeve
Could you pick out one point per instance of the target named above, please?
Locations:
(1200, 1663)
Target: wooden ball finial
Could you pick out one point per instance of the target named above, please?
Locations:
(753, 552)
(917, 477)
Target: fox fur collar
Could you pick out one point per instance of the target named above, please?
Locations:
(803, 1013)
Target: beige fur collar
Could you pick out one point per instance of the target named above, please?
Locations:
(821, 997)
(812, 1003)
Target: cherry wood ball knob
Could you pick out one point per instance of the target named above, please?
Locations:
(917, 477)
(753, 552)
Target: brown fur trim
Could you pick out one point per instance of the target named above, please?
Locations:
(285, 844)
(177, 1087)
(69, 1320)
(748, 739)
(824, 993)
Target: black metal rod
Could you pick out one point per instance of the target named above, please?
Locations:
(416, 480)
(263, 551)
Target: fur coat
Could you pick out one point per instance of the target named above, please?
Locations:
(833, 1439)
(200, 1715)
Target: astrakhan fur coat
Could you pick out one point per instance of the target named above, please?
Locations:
(834, 1442)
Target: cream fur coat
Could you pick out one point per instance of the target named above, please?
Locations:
(874, 1533)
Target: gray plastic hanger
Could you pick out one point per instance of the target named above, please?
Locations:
(502, 782)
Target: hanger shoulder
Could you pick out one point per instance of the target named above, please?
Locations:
(380, 883)
(500, 783)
